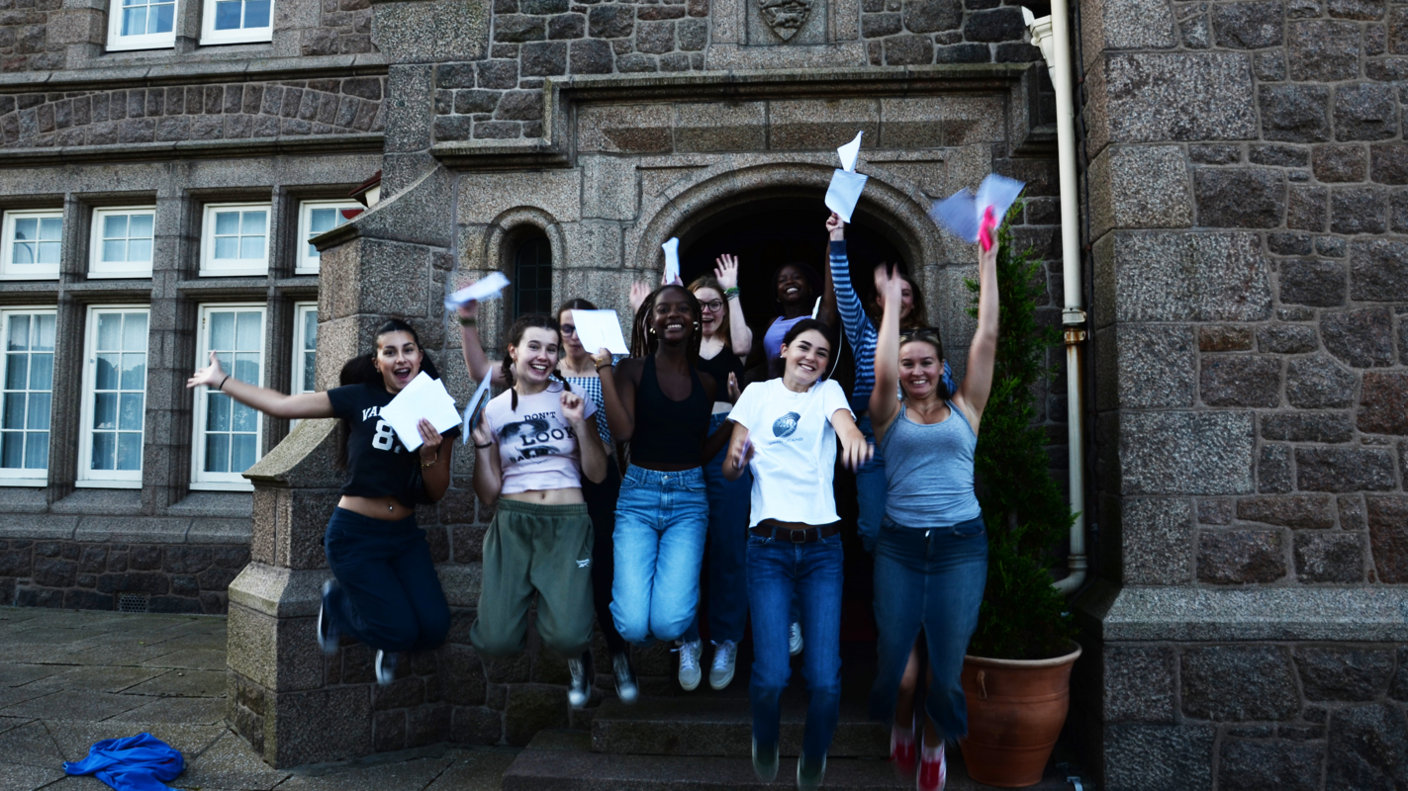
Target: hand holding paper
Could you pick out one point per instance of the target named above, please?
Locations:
(486, 287)
(975, 218)
(422, 398)
(600, 329)
(846, 184)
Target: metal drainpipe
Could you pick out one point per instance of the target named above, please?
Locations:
(1053, 35)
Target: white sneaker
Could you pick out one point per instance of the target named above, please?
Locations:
(689, 664)
(385, 667)
(794, 639)
(725, 655)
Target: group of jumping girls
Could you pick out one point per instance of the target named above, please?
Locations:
(586, 542)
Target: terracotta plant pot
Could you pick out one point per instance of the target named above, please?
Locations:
(1016, 709)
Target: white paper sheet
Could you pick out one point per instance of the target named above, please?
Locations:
(849, 152)
(480, 393)
(817, 307)
(486, 287)
(844, 193)
(672, 260)
(962, 212)
(599, 329)
(425, 398)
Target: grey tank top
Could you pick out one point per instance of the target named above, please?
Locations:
(929, 469)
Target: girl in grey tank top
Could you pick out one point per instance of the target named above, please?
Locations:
(931, 554)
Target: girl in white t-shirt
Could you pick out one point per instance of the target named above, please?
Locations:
(532, 448)
(785, 432)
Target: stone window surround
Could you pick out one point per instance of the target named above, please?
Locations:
(97, 269)
(7, 239)
(305, 264)
(209, 36)
(209, 266)
(116, 42)
(87, 476)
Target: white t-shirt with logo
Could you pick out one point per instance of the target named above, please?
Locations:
(537, 446)
(794, 450)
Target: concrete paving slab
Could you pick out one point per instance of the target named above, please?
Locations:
(191, 711)
(70, 704)
(184, 682)
(98, 678)
(10, 723)
(10, 696)
(197, 658)
(18, 675)
(30, 745)
(17, 777)
(475, 770)
(73, 738)
(412, 775)
(231, 763)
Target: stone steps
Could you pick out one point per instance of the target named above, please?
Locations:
(564, 761)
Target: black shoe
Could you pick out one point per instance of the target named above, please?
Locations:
(385, 667)
(583, 670)
(328, 637)
(626, 688)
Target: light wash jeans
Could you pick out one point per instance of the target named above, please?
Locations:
(662, 519)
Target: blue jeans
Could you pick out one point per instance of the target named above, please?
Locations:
(776, 571)
(728, 541)
(661, 522)
(871, 488)
(388, 595)
(931, 579)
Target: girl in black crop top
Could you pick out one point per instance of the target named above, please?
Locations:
(659, 402)
(385, 591)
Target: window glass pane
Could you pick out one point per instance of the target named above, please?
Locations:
(134, 372)
(242, 453)
(309, 369)
(256, 13)
(36, 451)
(134, 332)
(251, 247)
(320, 220)
(227, 246)
(222, 331)
(130, 412)
(12, 450)
(105, 411)
(217, 453)
(254, 222)
(114, 250)
(43, 339)
(139, 250)
(247, 333)
(310, 329)
(245, 418)
(16, 371)
(38, 418)
(51, 228)
(26, 229)
(217, 412)
(41, 371)
(115, 226)
(109, 331)
(247, 368)
(129, 451)
(105, 373)
(141, 227)
(104, 448)
(23, 253)
(134, 21)
(18, 338)
(227, 222)
(163, 18)
(48, 252)
(14, 410)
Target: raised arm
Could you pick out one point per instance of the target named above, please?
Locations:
(977, 381)
(474, 357)
(740, 335)
(270, 402)
(883, 404)
(853, 319)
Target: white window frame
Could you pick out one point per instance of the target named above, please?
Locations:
(224, 481)
(240, 266)
(120, 43)
(9, 270)
(97, 268)
(106, 479)
(309, 264)
(244, 35)
(296, 382)
(24, 476)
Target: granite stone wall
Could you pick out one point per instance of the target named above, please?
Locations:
(1248, 181)
(228, 111)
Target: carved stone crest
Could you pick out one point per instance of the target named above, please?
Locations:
(785, 17)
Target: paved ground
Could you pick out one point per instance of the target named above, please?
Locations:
(70, 678)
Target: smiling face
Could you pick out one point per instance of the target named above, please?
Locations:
(535, 356)
(921, 369)
(712, 310)
(806, 358)
(793, 288)
(672, 316)
(398, 359)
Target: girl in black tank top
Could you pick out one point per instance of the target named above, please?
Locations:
(660, 403)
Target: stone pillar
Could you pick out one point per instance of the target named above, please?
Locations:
(1246, 629)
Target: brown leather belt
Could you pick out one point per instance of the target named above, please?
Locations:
(769, 528)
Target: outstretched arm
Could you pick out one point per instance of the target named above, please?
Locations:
(474, 357)
(843, 292)
(740, 336)
(270, 402)
(883, 404)
(977, 381)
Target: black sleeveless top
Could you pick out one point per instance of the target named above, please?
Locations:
(719, 367)
(669, 432)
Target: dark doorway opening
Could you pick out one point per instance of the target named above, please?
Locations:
(765, 234)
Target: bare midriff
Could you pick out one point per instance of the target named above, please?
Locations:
(387, 509)
(548, 496)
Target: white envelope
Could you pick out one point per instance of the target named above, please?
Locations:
(486, 287)
(672, 261)
(425, 398)
(844, 193)
(599, 329)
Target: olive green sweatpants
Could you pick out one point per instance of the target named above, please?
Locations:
(536, 549)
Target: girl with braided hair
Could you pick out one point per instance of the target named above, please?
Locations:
(532, 448)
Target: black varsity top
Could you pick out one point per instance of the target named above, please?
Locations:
(378, 465)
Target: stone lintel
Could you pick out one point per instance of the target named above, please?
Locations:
(195, 149)
(1160, 614)
(194, 71)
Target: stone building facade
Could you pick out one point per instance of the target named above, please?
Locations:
(1244, 221)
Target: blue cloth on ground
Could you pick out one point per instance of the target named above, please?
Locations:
(133, 763)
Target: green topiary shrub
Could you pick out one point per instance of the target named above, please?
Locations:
(1022, 616)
